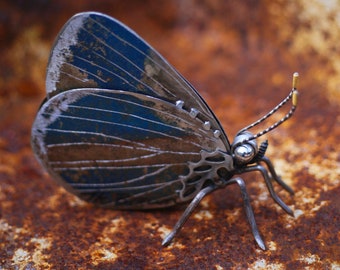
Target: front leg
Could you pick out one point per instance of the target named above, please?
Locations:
(275, 176)
(272, 192)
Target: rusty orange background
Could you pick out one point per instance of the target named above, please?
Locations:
(240, 55)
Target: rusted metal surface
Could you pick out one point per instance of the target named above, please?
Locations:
(240, 56)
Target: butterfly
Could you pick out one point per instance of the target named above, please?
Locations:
(121, 128)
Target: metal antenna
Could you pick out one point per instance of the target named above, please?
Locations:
(292, 95)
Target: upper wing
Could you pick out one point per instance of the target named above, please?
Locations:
(96, 51)
(120, 148)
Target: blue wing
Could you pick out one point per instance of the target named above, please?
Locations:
(97, 51)
(119, 148)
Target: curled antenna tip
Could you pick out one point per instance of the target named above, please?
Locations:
(295, 97)
(295, 80)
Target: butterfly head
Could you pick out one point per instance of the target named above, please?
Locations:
(245, 149)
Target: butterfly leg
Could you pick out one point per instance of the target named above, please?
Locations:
(188, 211)
(272, 192)
(249, 211)
(275, 176)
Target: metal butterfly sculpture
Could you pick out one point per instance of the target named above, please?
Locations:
(120, 127)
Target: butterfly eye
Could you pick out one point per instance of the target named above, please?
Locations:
(244, 148)
(244, 153)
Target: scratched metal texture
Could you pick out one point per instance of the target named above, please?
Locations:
(240, 55)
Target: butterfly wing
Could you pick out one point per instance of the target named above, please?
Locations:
(96, 51)
(120, 126)
(118, 148)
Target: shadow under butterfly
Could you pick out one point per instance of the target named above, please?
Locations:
(120, 127)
